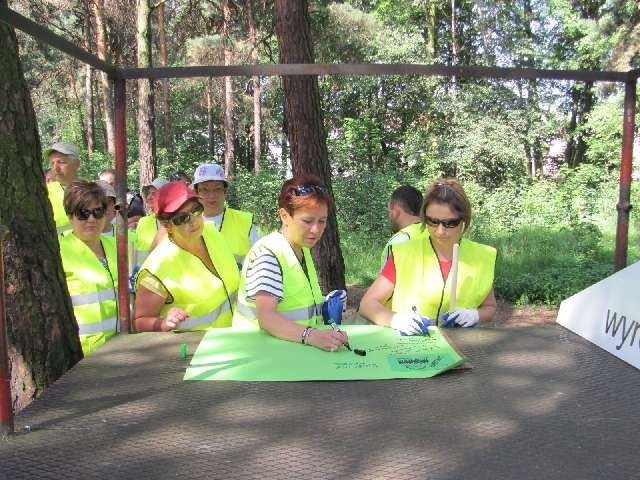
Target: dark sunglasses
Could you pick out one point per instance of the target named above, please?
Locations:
(434, 222)
(84, 213)
(309, 189)
(185, 217)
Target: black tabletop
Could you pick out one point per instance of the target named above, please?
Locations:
(539, 403)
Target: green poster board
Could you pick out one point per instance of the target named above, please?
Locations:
(254, 355)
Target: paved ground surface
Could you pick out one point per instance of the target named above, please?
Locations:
(539, 403)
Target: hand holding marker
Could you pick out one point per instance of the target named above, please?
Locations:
(424, 321)
(357, 351)
(337, 330)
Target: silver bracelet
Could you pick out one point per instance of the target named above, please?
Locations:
(305, 332)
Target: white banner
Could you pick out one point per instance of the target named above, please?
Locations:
(608, 314)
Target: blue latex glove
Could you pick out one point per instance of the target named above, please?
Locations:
(464, 317)
(133, 278)
(410, 323)
(335, 303)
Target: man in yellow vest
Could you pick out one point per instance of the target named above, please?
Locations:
(64, 162)
(404, 216)
(236, 226)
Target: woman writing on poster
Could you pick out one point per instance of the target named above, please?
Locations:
(416, 277)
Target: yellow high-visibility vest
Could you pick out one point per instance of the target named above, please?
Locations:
(208, 299)
(302, 298)
(93, 289)
(56, 197)
(145, 233)
(419, 279)
(413, 231)
(235, 227)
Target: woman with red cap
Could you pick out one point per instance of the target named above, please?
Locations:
(190, 280)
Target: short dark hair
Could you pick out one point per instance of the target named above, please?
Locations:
(81, 194)
(408, 198)
(449, 192)
(180, 175)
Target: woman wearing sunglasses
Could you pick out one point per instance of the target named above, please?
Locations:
(279, 289)
(190, 280)
(90, 265)
(416, 276)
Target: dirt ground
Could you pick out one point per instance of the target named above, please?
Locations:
(506, 315)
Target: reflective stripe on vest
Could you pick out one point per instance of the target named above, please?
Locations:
(91, 288)
(193, 287)
(95, 297)
(141, 256)
(145, 234)
(210, 317)
(98, 327)
(301, 300)
(299, 315)
(235, 227)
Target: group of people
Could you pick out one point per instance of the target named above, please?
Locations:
(200, 264)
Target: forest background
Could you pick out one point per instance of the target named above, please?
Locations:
(538, 158)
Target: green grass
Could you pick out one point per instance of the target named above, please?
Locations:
(361, 255)
(544, 266)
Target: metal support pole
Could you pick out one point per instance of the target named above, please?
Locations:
(624, 200)
(6, 410)
(122, 223)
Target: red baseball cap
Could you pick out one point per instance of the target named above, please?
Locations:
(171, 197)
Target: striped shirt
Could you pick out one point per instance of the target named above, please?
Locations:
(263, 274)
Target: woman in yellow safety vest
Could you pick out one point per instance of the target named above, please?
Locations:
(236, 226)
(148, 226)
(190, 280)
(279, 289)
(90, 265)
(416, 281)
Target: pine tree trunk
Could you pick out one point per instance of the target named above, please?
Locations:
(42, 332)
(431, 29)
(105, 84)
(88, 101)
(532, 93)
(88, 83)
(257, 113)
(307, 136)
(76, 102)
(454, 34)
(164, 114)
(581, 105)
(229, 129)
(210, 124)
(145, 118)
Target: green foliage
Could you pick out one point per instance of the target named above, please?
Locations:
(544, 265)
(554, 237)
(361, 253)
(258, 193)
(361, 200)
(604, 132)
(384, 131)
